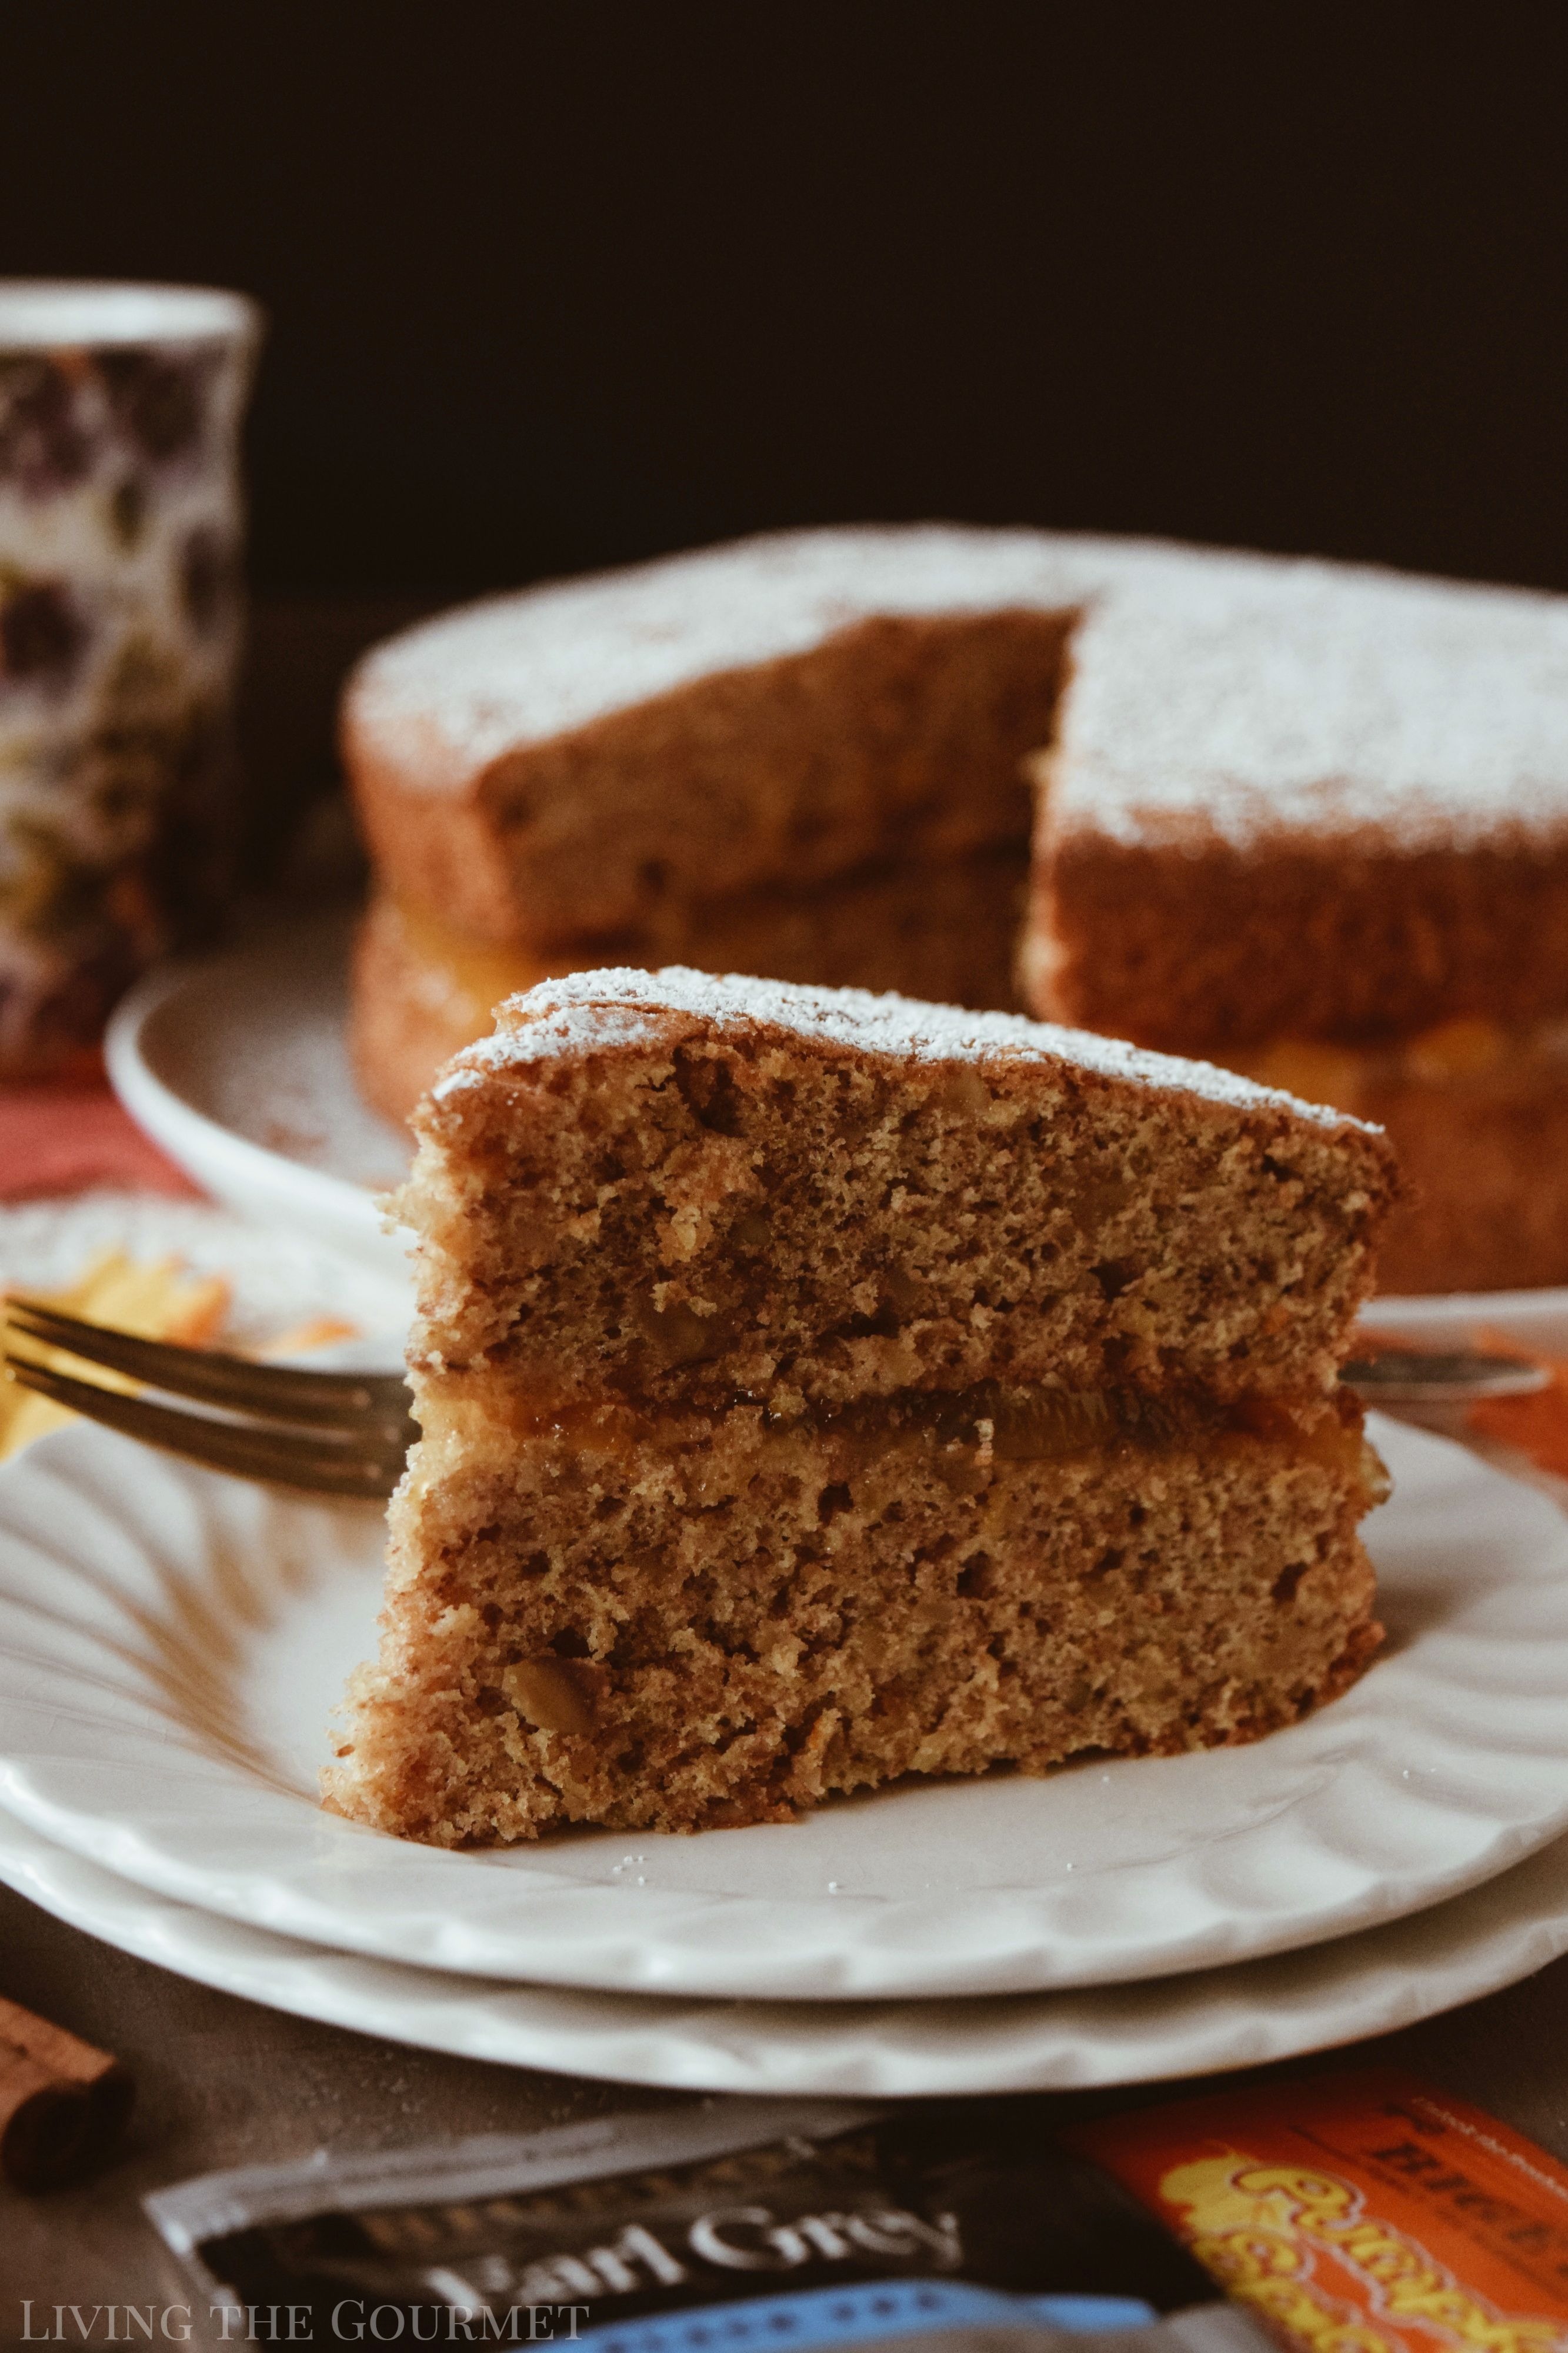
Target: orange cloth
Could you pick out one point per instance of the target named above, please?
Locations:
(62, 1139)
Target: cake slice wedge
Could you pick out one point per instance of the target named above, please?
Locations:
(818, 1388)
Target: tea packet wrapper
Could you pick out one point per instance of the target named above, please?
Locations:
(725, 2228)
(1358, 2212)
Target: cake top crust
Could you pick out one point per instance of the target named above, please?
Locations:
(1213, 694)
(595, 1012)
(1250, 698)
(492, 677)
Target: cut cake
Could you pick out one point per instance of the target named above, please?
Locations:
(818, 1388)
(1309, 820)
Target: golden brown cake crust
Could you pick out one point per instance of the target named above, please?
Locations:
(1487, 1168)
(405, 1019)
(1195, 947)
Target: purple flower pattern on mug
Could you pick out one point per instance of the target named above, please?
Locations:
(121, 609)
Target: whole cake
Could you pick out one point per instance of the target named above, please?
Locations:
(817, 1388)
(1305, 820)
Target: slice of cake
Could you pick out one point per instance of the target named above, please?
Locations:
(817, 1388)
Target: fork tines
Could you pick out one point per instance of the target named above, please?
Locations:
(330, 1433)
(283, 1392)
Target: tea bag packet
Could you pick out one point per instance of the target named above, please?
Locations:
(749, 2224)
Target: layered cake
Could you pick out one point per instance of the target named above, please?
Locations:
(1306, 821)
(818, 1388)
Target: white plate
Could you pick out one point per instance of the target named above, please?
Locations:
(1452, 1319)
(278, 1277)
(172, 1642)
(1241, 2017)
(238, 1068)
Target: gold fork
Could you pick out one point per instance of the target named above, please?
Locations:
(326, 1433)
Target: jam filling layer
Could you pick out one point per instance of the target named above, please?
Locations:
(472, 975)
(1469, 1051)
(991, 1422)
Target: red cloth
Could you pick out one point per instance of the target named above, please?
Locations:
(61, 1139)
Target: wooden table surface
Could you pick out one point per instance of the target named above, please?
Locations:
(223, 2082)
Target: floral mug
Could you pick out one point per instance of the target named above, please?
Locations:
(120, 622)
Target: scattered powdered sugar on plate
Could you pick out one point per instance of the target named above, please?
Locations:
(280, 1279)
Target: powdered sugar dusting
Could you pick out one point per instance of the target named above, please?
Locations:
(557, 1028)
(589, 1012)
(1313, 695)
(1247, 693)
(518, 670)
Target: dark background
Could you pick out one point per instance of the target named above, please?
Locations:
(554, 286)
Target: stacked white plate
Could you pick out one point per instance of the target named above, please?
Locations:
(172, 1643)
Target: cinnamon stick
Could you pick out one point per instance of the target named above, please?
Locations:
(62, 2104)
